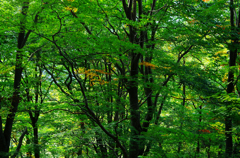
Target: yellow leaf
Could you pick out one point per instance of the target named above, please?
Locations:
(71, 9)
(147, 64)
(74, 10)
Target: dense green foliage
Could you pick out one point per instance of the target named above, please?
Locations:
(117, 78)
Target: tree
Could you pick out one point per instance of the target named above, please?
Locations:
(125, 79)
(5, 134)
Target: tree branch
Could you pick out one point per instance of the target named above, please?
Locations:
(20, 143)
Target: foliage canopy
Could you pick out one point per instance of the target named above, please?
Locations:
(136, 78)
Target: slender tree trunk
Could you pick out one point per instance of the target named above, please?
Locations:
(135, 116)
(5, 135)
(130, 11)
(230, 86)
(35, 141)
(133, 97)
(183, 104)
(29, 152)
(35, 133)
(20, 143)
(198, 141)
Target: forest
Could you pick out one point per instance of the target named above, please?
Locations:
(119, 78)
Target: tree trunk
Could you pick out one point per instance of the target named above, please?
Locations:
(5, 135)
(130, 12)
(35, 141)
(230, 86)
(135, 116)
